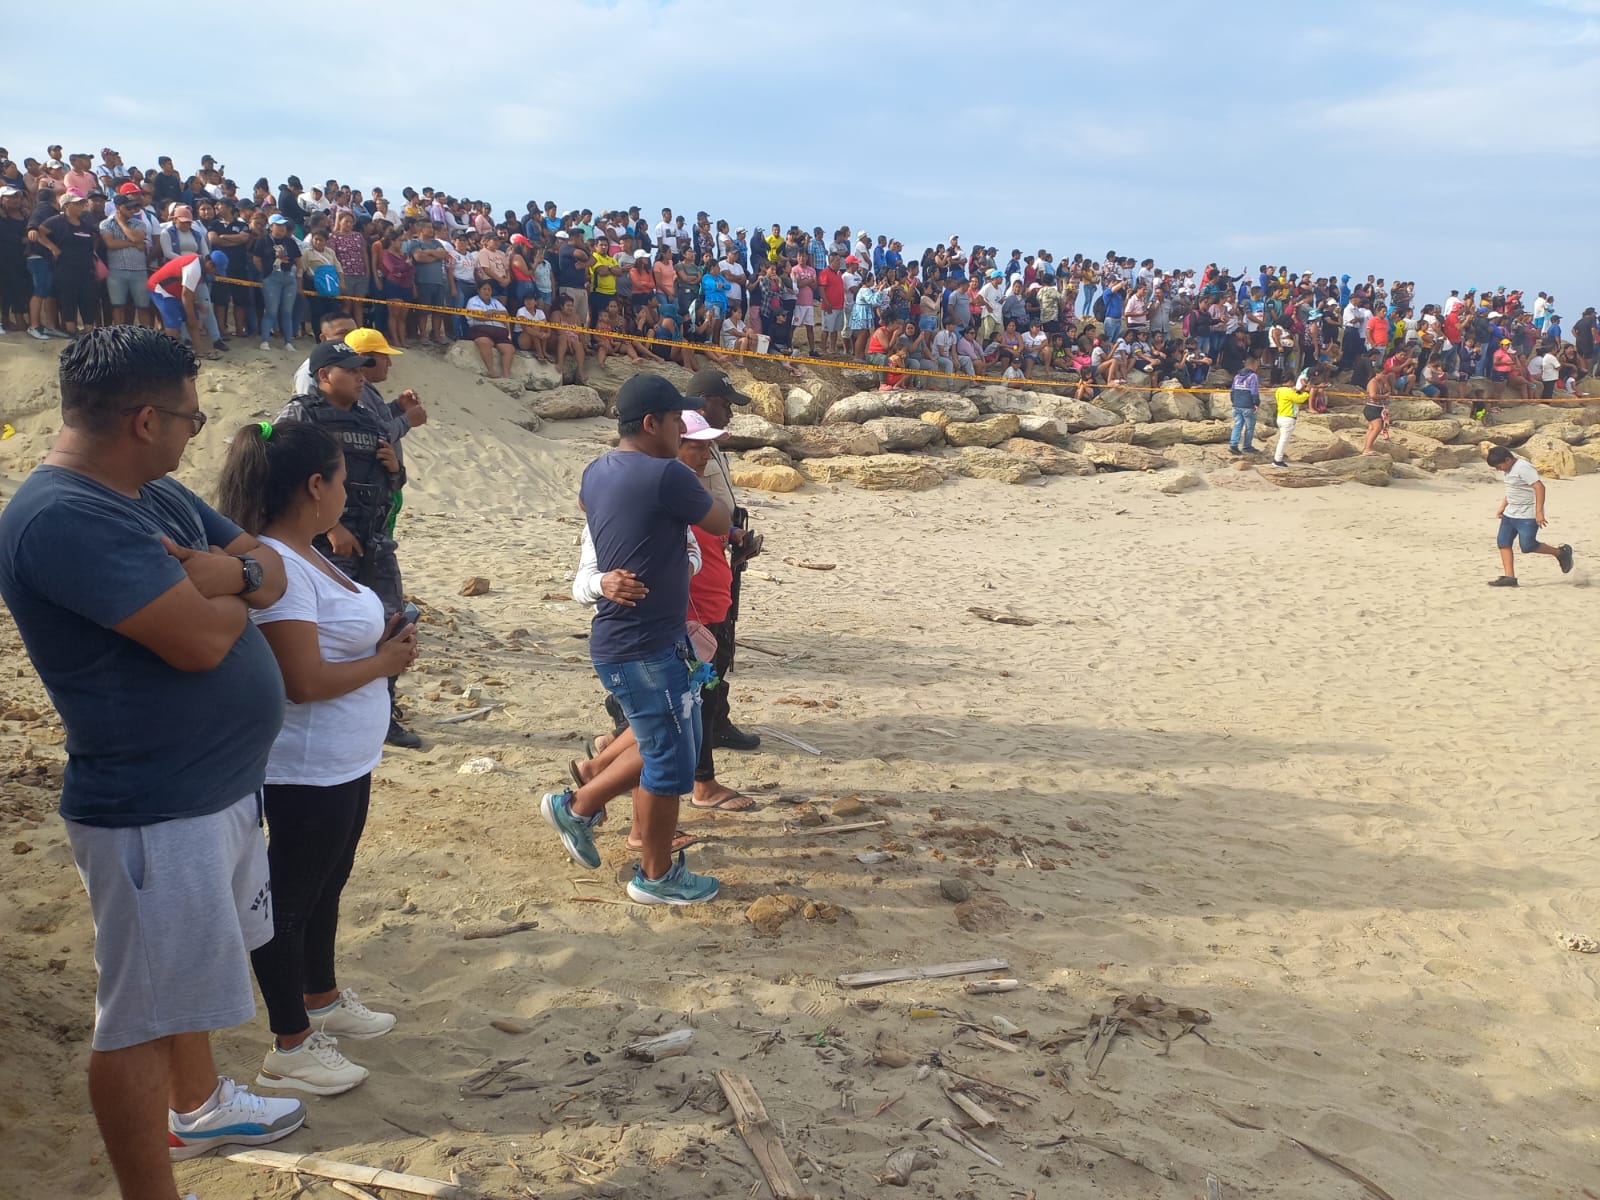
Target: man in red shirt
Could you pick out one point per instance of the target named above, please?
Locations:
(173, 287)
(831, 284)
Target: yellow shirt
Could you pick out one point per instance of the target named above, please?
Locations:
(602, 285)
(1290, 400)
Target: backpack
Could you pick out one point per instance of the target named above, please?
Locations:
(1100, 309)
(1318, 403)
(326, 280)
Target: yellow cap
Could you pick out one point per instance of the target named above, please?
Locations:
(369, 341)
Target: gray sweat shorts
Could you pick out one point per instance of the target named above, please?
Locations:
(177, 906)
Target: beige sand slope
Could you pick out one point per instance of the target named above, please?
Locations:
(1279, 756)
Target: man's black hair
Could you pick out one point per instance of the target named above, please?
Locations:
(626, 428)
(118, 366)
(1498, 455)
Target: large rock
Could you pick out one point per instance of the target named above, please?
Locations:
(1170, 405)
(867, 406)
(990, 431)
(825, 386)
(1314, 444)
(747, 431)
(1042, 429)
(766, 479)
(1569, 432)
(1129, 404)
(1374, 470)
(902, 433)
(802, 407)
(1051, 460)
(1403, 409)
(1539, 414)
(1335, 421)
(1124, 458)
(1297, 477)
(995, 398)
(1170, 483)
(1077, 415)
(831, 440)
(1219, 406)
(1170, 433)
(766, 400)
(1554, 458)
(1445, 429)
(1511, 434)
(982, 462)
(619, 369)
(1428, 453)
(525, 368)
(767, 456)
(1112, 435)
(879, 472)
(569, 402)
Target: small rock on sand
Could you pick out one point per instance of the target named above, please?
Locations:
(954, 890)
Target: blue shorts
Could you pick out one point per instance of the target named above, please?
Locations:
(663, 711)
(44, 275)
(435, 294)
(1522, 530)
(171, 310)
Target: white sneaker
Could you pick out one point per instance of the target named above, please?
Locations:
(266, 345)
(288, 347)
(239, 1118)
(314, 1066)
(348, 1017)
(37, 331)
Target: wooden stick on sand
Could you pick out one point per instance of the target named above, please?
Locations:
(755, 1127)
(327, 1168)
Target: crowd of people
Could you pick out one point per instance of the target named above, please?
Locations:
(85, 243)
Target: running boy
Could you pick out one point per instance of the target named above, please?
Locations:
(1521, 515)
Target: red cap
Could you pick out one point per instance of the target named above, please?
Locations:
(130, 189)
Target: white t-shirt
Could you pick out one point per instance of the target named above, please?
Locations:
(1550, 368)
(734, 274)
(666, 234)
(328, 742)
(1520, 478)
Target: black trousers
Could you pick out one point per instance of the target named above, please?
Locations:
(714, 701)
(311, 846)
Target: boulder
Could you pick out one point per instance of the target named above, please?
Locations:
(1170, 433)
(902, 433)
(1051, 460)
(1112, 435)
(1077, 415)
(1042, 429)
(801, 407)
(1509, 434)
(1297, 477)
(767, 456)
(824, 386)
(766, 400)
(1430, 454)
(867, 406)
(1335, 421)
(1123, 457)
(1569, 432)
(511, 387)
(1554, 458)
(1204, 458)
(830, 441)
(1445, 429)
(938, 420)
(1219, 406)
(1314, 444)
(1170, 405)
(766, 479)
(1170, 483)
(982, 462)
(994, 398)
(879, 472)
(1374, 470)
(1539, 414)
(1407, 409)
(619, 369)
(569, 402)
(525, 368)
(747, 431)
(1131, 405)
(990, 431)
(1586, 459)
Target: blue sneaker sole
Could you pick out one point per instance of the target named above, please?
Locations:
(547, 809)
(639, 896)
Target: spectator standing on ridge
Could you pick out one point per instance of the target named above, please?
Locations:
(171, 701)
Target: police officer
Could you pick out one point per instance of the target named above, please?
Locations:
(359, 544)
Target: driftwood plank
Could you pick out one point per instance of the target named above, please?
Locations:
(863, 979)
(327, 1168)
(787, 737)
(668, 1045)
(756, 1128)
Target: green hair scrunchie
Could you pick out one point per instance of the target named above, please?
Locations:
(266, 429)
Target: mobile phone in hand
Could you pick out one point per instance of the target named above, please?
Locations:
(409, 615)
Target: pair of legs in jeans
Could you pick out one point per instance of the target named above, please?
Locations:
(280, 291)
(1242, 436)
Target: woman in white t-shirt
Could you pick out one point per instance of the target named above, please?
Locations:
(490, 335)
(285, 483)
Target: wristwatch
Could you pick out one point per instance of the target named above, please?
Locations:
(252, 574)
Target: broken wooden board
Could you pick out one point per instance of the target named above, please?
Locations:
(654, 1049)
(327, 1168)
(1001, 618)
(758, 1132)
(861, 979)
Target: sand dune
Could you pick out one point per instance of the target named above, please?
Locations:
(1276, 755)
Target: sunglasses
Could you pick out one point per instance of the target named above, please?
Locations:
(197, 418)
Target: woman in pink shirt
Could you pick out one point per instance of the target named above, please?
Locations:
(666, 277)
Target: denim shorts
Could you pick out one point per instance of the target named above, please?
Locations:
(1522, 530)
(127, 285)
(663, 711)
(435, 294)
(44, 275)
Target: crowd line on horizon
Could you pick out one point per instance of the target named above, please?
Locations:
(85, 243)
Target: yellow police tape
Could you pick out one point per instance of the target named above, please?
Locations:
(1360, 397)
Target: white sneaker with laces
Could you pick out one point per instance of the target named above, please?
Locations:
(314, 1066)
(288, 347)
(266, 345)
(239, 1118)
(348, 1017)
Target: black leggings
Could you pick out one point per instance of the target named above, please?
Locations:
(311, 846)
(714, 701)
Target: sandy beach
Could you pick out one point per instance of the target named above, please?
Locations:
(1276, 755)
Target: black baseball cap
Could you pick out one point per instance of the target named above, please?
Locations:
(714, 382)
(337, 354)
(646, 394)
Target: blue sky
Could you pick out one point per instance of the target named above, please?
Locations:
(1457, 144)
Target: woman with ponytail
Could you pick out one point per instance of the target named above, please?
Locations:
(285, 485)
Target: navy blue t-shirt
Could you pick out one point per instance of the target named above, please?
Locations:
(639, 509)
(145, 742)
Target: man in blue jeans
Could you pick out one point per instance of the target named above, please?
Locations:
(640, 501)
(1521, 516)
(1246, 392)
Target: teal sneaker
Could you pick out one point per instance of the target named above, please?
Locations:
(577, 833)
(678, 886)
